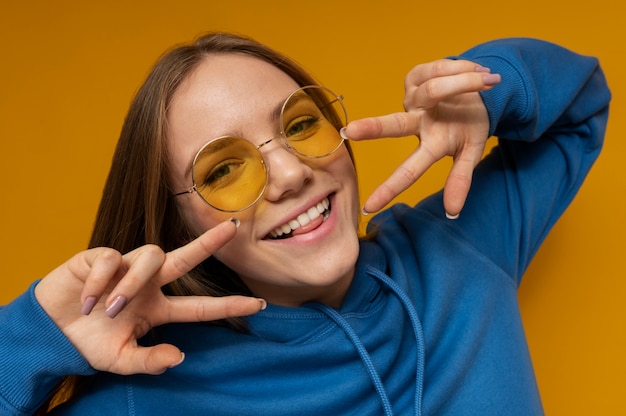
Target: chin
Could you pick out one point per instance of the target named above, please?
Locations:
(339, 264)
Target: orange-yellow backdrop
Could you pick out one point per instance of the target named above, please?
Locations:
(69, 67)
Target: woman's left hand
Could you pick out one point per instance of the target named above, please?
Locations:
(445, 111)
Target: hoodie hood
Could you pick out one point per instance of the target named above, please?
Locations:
(369, 290)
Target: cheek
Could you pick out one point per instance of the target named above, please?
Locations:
(343, 169)
(202, 218)
(346, 161)
(199, 215)
(231, 253)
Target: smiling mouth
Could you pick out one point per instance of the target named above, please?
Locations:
(287, 230)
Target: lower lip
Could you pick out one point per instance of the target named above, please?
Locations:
(315, 230)
(312, 225)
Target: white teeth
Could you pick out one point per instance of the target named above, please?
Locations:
(302, 219)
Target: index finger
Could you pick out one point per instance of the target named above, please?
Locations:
(400, 124)
(182, 260)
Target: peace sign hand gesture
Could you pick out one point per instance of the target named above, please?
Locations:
(85, 293)
(444, 109)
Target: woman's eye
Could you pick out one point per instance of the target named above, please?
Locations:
(220, 172)
(302, 125)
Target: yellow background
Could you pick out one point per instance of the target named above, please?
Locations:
(69, 68)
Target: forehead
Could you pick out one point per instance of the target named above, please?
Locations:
(226, 94)
(227, 86)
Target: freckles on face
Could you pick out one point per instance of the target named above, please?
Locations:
(237, 95)
(225, 95)
(317, 255)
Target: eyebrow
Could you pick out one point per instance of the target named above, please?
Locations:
(274, 115)
(287, 103)
(225, 141)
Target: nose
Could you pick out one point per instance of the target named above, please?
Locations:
(287, 173)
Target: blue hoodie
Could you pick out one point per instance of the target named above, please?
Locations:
(431, 323)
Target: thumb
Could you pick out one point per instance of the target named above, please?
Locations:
(151, 360)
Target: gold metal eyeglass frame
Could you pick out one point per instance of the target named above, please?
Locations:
(332, 117)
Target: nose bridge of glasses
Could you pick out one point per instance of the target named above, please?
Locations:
(280, 137)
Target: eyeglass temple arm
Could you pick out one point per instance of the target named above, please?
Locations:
(188, 191)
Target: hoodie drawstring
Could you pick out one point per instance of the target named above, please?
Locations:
(365, 357)
(362, 351)
(417, 330)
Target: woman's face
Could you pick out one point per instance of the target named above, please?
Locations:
(236, 95)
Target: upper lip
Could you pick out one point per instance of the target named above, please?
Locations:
(295, 212)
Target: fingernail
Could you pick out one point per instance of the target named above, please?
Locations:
(452, 217)
(364, 211)
(182, 358)
(491, 79)
(342, 133)
(482, 69)
(89, 304)
(235, 221)
(263, 304)
(116, 307)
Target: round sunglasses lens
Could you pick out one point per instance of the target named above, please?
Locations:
(229, 174)
(311, 118)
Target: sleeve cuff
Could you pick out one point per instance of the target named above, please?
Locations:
(34, 354)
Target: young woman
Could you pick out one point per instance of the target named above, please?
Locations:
(232, 198)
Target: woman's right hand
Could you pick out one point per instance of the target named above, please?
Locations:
(104, 301)
(444, 110)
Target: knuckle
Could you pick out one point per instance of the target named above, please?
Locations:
(409, 174)
(431, 89)
(108, 254)
(150, 254)
(378, 126)
(387, 192)
(413, 77)
(152, 250)
(180, 264)
(461, 179)
(432, 154)
(410, 99)
(207, 312)
(208, 245)
(105, 259)
(439, 66)
(400, 122)
(410, 78)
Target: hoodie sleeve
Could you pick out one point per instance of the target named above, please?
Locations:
(34, 356)
(549, 114)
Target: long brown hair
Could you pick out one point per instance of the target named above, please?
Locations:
(137, 207)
